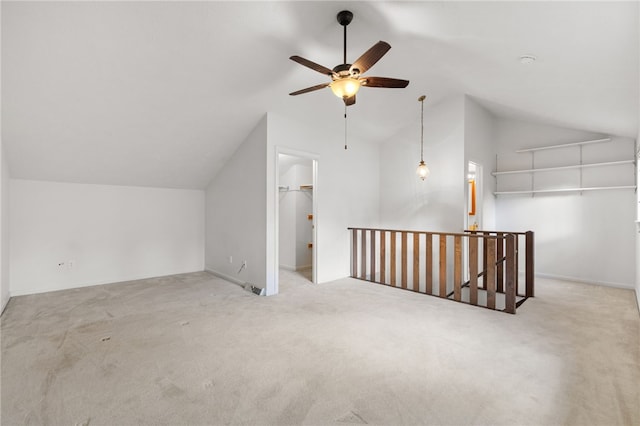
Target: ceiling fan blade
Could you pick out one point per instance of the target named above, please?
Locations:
(371, 56)
(393, 83)
(309, 64)
(350, 101)
(309, 89)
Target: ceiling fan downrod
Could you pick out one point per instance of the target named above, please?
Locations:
(344, 18)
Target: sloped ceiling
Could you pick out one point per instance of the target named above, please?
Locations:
(162, 93)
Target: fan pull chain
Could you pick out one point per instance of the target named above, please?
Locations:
(345, 126)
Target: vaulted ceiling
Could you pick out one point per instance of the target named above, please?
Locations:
(162, 93)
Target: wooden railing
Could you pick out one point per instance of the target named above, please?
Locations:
(527, 257)
(406, 259)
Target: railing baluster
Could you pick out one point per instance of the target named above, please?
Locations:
(363, 249)
(443, 266)
(383, 257)
(500, 268)
(473, 270)
(429, 264)
(393, 258)
(416, 261)
(485, 242)
(403, 235)
(517, 252)
(354, 253)
(490, 277)
(457, 268)
(510, 296)
(373, 254)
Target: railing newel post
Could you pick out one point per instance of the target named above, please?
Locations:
(511, 259)
(529, 269)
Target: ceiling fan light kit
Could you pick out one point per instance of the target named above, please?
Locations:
(346, 79)
(345, 87)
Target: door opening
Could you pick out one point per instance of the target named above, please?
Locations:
(474, 196)
(296, 219)
(473, 215)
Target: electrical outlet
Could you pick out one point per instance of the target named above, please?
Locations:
(71, 264)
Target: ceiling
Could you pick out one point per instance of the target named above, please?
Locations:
(162, 93)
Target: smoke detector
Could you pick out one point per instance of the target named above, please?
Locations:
(527, 59)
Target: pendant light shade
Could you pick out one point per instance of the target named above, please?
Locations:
(422, 171)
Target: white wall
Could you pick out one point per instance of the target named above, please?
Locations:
(110, 233)
(638, 221)
(480, 147)
(584, 237)
(638, 188)
(4, 231)
(438, 203)
(236, 220)
(4, 214)
(346, 191)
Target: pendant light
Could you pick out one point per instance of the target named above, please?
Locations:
(423, 170)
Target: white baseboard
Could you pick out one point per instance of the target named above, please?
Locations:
(22, 292)
(5, 303)
(226, 277)
(296, 268)
(288, 268)
(582, 280)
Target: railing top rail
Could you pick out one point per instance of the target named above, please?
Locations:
(454, 234)
(479, 231)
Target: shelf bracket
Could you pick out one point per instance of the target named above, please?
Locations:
(580, 186)
(533, 166)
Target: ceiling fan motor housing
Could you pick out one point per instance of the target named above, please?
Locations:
(345, 70)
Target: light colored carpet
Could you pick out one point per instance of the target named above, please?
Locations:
(193, 350)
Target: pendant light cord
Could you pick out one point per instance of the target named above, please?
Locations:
(421, 99)
(422, 132)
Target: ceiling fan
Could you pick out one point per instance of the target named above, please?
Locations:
(346, 79)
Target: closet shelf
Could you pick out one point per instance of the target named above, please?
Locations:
(575, 166)
(303, 188)
(564, 145)
(543, 191)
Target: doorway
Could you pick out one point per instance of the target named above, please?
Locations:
(473, 207)
(474, 196)
(296, 219)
